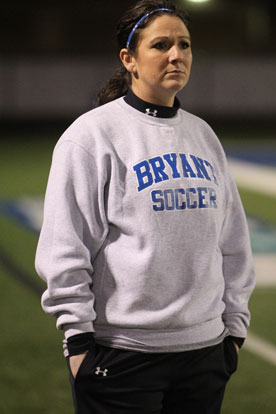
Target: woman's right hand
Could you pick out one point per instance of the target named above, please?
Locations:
(75, 362)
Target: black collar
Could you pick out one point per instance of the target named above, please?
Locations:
(158, 111)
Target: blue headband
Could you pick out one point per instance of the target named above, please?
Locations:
(140, 21)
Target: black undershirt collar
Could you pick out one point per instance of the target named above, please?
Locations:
(150, 109)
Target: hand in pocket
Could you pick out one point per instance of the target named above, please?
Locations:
(237, 347)
(75, 362)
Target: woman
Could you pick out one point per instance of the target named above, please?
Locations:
(144, 244)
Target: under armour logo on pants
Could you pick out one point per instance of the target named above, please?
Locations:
(99, 371)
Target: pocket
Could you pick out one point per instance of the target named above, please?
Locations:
(230, 356)
(86, 362)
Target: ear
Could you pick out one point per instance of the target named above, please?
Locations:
(128, 60)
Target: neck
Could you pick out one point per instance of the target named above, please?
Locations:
(158, 111)
(152, 98)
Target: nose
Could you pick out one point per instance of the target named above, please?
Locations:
(176, 54)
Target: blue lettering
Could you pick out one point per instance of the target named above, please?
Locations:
(144, 175)
(212, 170)
(169, 199)
(166, 167)
(189, 205)
(177, 193)
(171, 160)
(213, 197)
(201, 170)
(156, 199)
(158, 167)
(187, 169)
(202, 198)
(174, 199)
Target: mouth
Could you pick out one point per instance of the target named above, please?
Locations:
(176, 72)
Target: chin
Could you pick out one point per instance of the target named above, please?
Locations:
(176, 86)
(176, 83)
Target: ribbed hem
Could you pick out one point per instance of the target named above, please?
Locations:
(77, 328)
(145, 340)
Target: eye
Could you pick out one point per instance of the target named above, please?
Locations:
(184, 44)
(159, 45)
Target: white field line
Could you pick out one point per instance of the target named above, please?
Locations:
(260, 347)
(265, 266)
(254, 176)
(33, 208)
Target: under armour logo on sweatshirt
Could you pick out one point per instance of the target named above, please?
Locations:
(103, 372)
(150, 112)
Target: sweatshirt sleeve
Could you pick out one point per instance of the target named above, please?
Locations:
(238, 267)
(74, 229)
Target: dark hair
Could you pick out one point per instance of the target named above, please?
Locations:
(120, 82)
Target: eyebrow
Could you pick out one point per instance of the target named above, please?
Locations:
(167, 37)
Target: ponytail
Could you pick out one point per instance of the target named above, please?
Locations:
(115, 87)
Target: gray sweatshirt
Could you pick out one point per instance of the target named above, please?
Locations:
(144, 240)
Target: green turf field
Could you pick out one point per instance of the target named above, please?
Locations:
(33, 375)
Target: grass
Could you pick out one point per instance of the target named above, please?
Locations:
(33, 375)
(262, 305)
(18, 244)
(251, 390)
(33, 372)
(25, 165)
(261, 206)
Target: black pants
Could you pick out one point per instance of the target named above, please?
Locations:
(114, 381)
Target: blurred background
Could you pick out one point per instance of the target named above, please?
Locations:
(54, 56)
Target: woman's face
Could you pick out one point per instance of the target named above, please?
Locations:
(162, 61)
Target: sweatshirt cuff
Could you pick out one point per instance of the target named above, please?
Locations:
(78, 344)
(238, 341)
